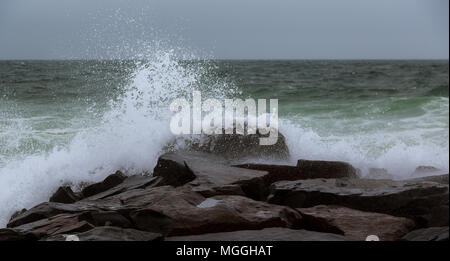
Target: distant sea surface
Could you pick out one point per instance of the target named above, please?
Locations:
(71, 121)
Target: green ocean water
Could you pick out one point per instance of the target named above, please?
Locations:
(76, 120)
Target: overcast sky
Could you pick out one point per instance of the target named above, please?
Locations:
(230, 29)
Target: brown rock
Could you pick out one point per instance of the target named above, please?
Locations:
(354, 223)
(326, 169)
(418, 201)
(59, 224)
(64, 195)
(108, 183)
(111, 234)
(208, 175)
(130, 183)
(191, 213)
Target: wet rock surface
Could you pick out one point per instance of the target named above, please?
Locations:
(108, 233)
(354, 223)
(425, 202)
(267, 234)
(194, 195)
(428, 234)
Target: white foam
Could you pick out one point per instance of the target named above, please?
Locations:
(129, 137)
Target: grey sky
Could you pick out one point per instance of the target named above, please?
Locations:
(243, 29)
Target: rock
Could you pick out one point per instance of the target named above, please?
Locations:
(166, 210)
(130, 183)
(421, 171)
(304, 170)
(379, 173)
(47, 210)
(110, 218)
(418, 201)
(17, 213)
(108, 183)
(443, 179)
(208, 175)
(326, 169)
(191, 213)
(354, 223)
(8, 234)
(151, 220)
(267, 234)
(59, 224)
(64, 195)
(428, 234)
(236, 147)
(276, 172)
(111, 234)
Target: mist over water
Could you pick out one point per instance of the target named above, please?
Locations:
(74, 121)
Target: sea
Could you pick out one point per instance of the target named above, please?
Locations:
(74, 121)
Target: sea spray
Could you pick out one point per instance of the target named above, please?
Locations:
(129, 136)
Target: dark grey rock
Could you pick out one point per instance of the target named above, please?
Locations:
(428, 234)
(425, 202)
(64, 195)
(8, 234)
(109, 233)
(267, 234)
(326, 169)
(108, 183)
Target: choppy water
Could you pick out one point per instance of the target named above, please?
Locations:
(72, 121)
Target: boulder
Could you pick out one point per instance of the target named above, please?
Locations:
(46, 210)
(425, 170)
(59, 224)
(130, 183)
(428, 234)
(303, 170)
(165, 210)
(235, 146)
(191, 213)
(108, 183)
(276, 172)
(355, 223)
(326, 169)
(208, 175)
(425, 202)
(17, 213)
(64, 194)
(266, 234)
(109, 233)
(8, 234)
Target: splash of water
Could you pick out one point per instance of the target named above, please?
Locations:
(129, 136)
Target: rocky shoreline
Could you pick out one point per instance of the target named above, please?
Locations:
(210, 193)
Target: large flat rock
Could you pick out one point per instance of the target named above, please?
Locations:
(428, 234)
(9, 234)
(425, 202)
(193, 214)
(267, 234)
(163, 210)
(59, 224)
(108, 233)
(355, 223)
(208, 175)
